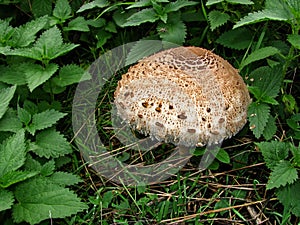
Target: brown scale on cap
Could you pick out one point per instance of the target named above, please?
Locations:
(185, 95)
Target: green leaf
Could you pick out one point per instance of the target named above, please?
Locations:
(50, 143)
(14, 74)
(268, 80)
(37, 74)
(258, 115)
(6, 33)
(44, 120)
(242, 2)
(140, 4)
(6, 199)
(93, 4)
(10, 121)
(296, 155)
(71, 74)
(289, 196)
(23, 115)
(48, 168)
(175, 6)
(174, 31)
(294, 39)
(212, 2)
(12, 152)
(143, 16)
(64, 179)
(270, 128)
(26, 34)
(259, 54)
(283, 173)
(237, 39)
(39, 199)
(273, 152)
(78, 24)
(62, 10)
(41, 8)
(14, 177)
(223, 156)
(6, 94)
(274, 10)
(217, 18)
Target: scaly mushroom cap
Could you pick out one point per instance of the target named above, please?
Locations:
(187, 96)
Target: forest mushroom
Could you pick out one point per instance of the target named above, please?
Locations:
(186, 95)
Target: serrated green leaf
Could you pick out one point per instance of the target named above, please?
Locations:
(296, 154)
(44, 120)
(48, 168)
(6, 32)
(6, 199)
(39, 198)
(294, 39)
(258, 115)
(93, 4)
(26, 34)
(6, 94)
(270, 128)
(273, 152)
(62, 10)
(242, 2)
(174, 31)
(223, 156)
(212, 2)
(268, 80)
(283, 173)
(10, 121)
(237, 39)
(259, 54)
(71, 74)
(143, 16)
(289, 196)
(37, 75)
(217, 18)
(78, 24)
(14, 177)
(50, 143)
(14, 74)
(12, 152)
(23, 115)
(140, 4)
(41, 8)
(175, 6)
(64, 179)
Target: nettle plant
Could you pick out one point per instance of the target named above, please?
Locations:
(32, 151)
(268, 85)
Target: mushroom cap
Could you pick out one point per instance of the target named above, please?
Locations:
(186, 95)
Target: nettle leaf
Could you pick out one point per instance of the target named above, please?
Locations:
(217, 18)
(274, 10)
(26, 34)
(289, 196)
(12, 152)
(50, 143)
(270, 128)
(143, 16)
(71, 74)
(62, 10)
(140, 4)
(93, 4)
(268, 80)
(64, 179)
(283, 173)
(41, 8)
(23, 115)
(48, 168)
(37, 74)
(39, 198)
(242, 2)
(237, 39)
(273, 152)
(6, 94)
(6, 32)
(175, 6)
(14, 177)
(10, 121)
(294, 39)
(259, 54)
(174, 30)
(296, 155)
(44, 120)
(14, 74)
(212, 2)
(78, 24)
(258, 115)
(6, 199)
